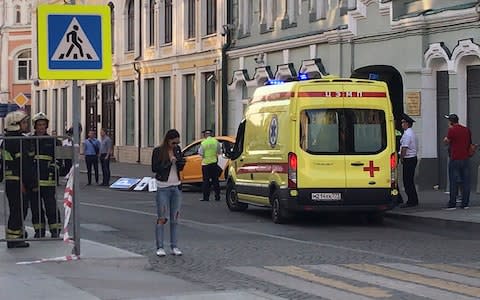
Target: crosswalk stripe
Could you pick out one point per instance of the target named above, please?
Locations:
(405, 276)
(434, 273)
(454, 269)
(319, 290)
(305, 274)
(402, 286)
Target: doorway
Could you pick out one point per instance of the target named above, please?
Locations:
(108, 110)
(91, 108)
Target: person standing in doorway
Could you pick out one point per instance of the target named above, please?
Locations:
(209, 150)
(91, 149)
(167, 162)
(459, 139)
(408, 157)
(105, 153)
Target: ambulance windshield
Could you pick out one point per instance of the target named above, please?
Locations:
(343, 131)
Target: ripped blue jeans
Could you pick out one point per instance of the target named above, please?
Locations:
(168, 201)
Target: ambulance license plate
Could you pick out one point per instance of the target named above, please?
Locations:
(326, 196)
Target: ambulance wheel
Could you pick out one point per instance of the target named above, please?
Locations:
(279, 214)
(232, 198)
(375, 218)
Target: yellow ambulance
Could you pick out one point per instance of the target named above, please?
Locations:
(315, 145)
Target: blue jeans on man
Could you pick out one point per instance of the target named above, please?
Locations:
(459, 174)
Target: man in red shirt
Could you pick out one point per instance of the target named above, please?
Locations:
(459, 139)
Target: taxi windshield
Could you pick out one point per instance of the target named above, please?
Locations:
(343, 131)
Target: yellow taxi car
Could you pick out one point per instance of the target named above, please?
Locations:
(192, 172)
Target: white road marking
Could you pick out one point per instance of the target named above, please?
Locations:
(434, 273)
(297, 284)
(394, 284)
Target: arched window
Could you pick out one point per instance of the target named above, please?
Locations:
(112, 24)
(151, 23)
(130, 25)
(18, 14)
(23, 62)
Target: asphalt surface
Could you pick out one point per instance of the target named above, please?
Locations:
(245, 256)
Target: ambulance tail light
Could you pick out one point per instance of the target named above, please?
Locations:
(393, 171)
(292, 170)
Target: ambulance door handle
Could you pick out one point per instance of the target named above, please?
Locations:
(357, 164)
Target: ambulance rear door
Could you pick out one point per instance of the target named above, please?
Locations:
(321, 163)
(368, 144)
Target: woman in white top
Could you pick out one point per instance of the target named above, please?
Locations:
(167, 162)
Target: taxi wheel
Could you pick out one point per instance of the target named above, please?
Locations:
(279, 214)
(232, 198)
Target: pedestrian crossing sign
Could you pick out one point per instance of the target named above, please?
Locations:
(74, 42)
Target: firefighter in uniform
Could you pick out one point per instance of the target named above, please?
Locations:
(17, 156)
(43, 194)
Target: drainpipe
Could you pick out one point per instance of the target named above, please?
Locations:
(227, 32)
(137, 68)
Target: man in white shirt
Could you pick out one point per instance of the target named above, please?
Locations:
(408, 157)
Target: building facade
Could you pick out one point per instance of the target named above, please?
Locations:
(426, 51)
(15, 52)
(166, 58)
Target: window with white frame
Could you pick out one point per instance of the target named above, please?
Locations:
(150, 101)
(54, 116)
(29, 14)
(130, 25)
(151, 23)
(189, 110)
(44, 102)
(24, 65)
(318, 9)
(292, 10)
(129, 90)
(209, 82)
(191, 18)
(18, 14)
(168, 21)
(347, 5)
(166, 98)
(245, 16)
(211, 17)
(268, 14)
(65, 108)
(37, 101)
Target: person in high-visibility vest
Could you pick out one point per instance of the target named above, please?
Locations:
(209, 150)
(43, 194)
(16, 155)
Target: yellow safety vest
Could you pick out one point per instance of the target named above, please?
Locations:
(209, 146)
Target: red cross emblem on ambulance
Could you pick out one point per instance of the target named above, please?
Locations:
(371, 168)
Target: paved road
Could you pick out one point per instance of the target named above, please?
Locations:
(316, 257)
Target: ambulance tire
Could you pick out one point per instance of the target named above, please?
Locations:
(232, 198)
(279, 214)
(376, 218)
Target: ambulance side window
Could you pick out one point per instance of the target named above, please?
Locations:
(319, 131)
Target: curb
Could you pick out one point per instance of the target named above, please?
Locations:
(437, 222)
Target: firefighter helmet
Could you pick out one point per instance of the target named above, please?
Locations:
(13, 119)
(39, 116)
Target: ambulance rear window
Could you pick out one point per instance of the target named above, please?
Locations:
(343, 131)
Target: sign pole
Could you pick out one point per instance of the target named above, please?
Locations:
(76, 162)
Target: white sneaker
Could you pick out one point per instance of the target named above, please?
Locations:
(161, 252)
(176, 252)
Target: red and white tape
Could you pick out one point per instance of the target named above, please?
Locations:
(61, 258)
(68, 205)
